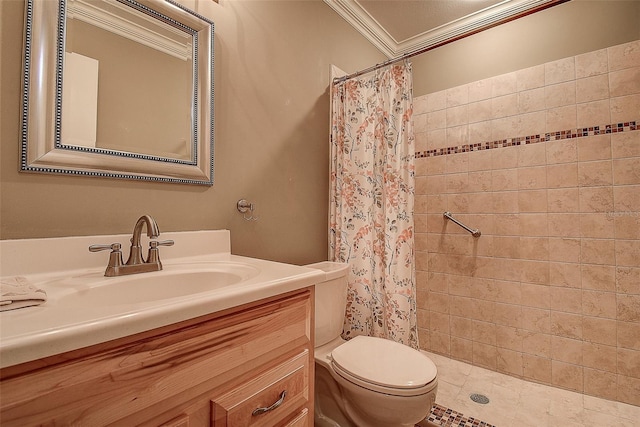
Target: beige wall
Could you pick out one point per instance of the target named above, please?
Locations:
(272, 64)
(568, 29)
(551, 290)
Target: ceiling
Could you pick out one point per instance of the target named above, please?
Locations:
(397, 27)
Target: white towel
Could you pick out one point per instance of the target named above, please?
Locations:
(18, 292)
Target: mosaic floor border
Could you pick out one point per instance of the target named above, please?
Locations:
(449, 418)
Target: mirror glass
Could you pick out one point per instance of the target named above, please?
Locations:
(124, 90)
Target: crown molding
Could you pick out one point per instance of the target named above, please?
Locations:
(361, 20)
(370, 28)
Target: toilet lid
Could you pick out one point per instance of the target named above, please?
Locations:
(384, 362)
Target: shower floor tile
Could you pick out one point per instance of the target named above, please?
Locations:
(516, 402)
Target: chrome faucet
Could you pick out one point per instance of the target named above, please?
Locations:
(136, 263)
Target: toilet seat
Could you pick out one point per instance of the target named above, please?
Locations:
(384, 366)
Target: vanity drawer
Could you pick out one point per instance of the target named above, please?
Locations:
(302, 419)
(268, 399)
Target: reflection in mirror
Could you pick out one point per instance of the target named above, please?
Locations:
(132, 85)
(107, 44)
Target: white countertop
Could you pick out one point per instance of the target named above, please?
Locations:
(59, 325)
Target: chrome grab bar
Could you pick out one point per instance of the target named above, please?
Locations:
(474, 231)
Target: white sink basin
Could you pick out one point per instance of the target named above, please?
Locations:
(173, 282)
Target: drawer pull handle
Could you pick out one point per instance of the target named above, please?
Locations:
(279, 402)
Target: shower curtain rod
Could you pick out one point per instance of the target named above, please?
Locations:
(381, 65)
(542, 6)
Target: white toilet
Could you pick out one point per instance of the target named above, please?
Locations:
(366, 381)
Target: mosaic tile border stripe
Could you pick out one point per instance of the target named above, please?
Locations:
(449, 418)
(533, 139)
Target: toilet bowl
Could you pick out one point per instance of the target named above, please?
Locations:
(366, 381)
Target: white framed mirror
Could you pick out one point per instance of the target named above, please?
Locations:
(118, 89)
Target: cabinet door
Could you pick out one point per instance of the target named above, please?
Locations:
(197, 415)
(268, 399)
(181, 421)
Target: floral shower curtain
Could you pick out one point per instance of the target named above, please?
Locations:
(372, 200)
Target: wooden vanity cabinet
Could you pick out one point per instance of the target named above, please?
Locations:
(215, 370)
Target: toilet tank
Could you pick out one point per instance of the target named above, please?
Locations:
(331, 301)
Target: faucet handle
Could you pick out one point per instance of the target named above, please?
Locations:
(115, 257)
(155, 243)
(97, 248)
(154, 254)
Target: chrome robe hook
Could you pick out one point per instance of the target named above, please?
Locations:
(246, 209)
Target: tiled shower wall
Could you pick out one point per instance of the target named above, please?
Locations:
(545, 161)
